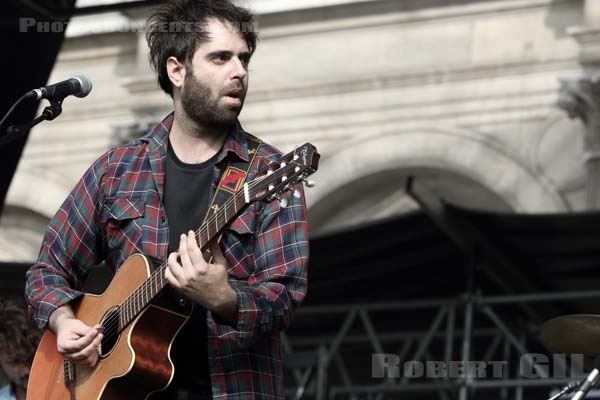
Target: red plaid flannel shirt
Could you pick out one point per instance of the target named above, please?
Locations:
(116, 210)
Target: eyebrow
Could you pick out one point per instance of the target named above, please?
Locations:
(244, 54)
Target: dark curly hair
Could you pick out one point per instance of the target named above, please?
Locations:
(178, 27)
(17, 335)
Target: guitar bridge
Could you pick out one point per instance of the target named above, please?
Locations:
(69, 371)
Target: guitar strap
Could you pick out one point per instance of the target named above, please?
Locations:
(234, 177)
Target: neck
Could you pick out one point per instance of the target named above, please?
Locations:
(193, 142)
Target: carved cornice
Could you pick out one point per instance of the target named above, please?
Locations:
(145, 85)
(589, 45)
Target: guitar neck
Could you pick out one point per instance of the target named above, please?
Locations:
(210, 229)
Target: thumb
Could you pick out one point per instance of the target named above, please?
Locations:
(78, 327)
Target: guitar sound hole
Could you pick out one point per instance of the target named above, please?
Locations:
(110, 323)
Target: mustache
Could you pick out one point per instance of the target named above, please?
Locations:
(234, 87)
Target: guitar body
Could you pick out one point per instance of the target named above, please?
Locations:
(132, 366)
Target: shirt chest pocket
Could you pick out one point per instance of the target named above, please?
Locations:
(239, 243)
(123, 226)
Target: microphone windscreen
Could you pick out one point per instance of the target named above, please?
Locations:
(85, 83)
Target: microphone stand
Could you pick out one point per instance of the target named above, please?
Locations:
(50, 112)
(583, 386)
(588, 383)
(567, 389)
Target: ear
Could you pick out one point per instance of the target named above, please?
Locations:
(176, 72)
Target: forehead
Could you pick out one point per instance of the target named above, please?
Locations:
(223, 36)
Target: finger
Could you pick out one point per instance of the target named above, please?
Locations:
(195, 253)
(79, 329)
(93, 359)
(171, 279)
(186, 263)
(91, 351)
(217, 254)
(174, 268)
(75, 345)
(88, 351)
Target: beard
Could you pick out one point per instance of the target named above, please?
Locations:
(202, 105)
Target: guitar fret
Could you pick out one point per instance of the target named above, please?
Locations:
(217, 222)
(205, 235)
(136, 304)
(130, 310)
(145, 295)
(126, 312)
(155, 291)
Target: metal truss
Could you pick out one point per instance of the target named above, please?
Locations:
(473, 347)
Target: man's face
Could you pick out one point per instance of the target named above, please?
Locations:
(16, 367)
(215, 88)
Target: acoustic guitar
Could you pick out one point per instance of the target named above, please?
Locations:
(134, 357)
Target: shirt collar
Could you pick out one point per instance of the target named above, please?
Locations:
(235, 141)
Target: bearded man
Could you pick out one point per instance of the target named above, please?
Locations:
(149, 195)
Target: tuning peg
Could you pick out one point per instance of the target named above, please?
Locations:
(309, 184)
(283, 203)
(295, 192)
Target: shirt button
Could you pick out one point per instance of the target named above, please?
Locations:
(182, 302)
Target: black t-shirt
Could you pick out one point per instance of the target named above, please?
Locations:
(186, 200)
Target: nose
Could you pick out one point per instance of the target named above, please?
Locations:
(239, 69)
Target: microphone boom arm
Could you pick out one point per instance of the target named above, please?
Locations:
(14, 131)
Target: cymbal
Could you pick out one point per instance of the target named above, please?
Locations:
(573, 334)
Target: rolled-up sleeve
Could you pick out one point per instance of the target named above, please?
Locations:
(72, 245)
(279, 281)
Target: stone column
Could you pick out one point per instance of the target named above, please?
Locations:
(580, 97)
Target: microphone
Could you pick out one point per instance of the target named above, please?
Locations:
(587, 384)
(80, 85)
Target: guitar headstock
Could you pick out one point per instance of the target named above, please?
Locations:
(282, 175)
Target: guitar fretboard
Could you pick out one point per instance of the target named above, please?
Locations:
(211, 228)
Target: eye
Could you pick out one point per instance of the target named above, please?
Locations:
(221, 58)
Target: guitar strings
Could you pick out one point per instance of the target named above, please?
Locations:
(111, 324)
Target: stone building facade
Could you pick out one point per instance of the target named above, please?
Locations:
(490, 103)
